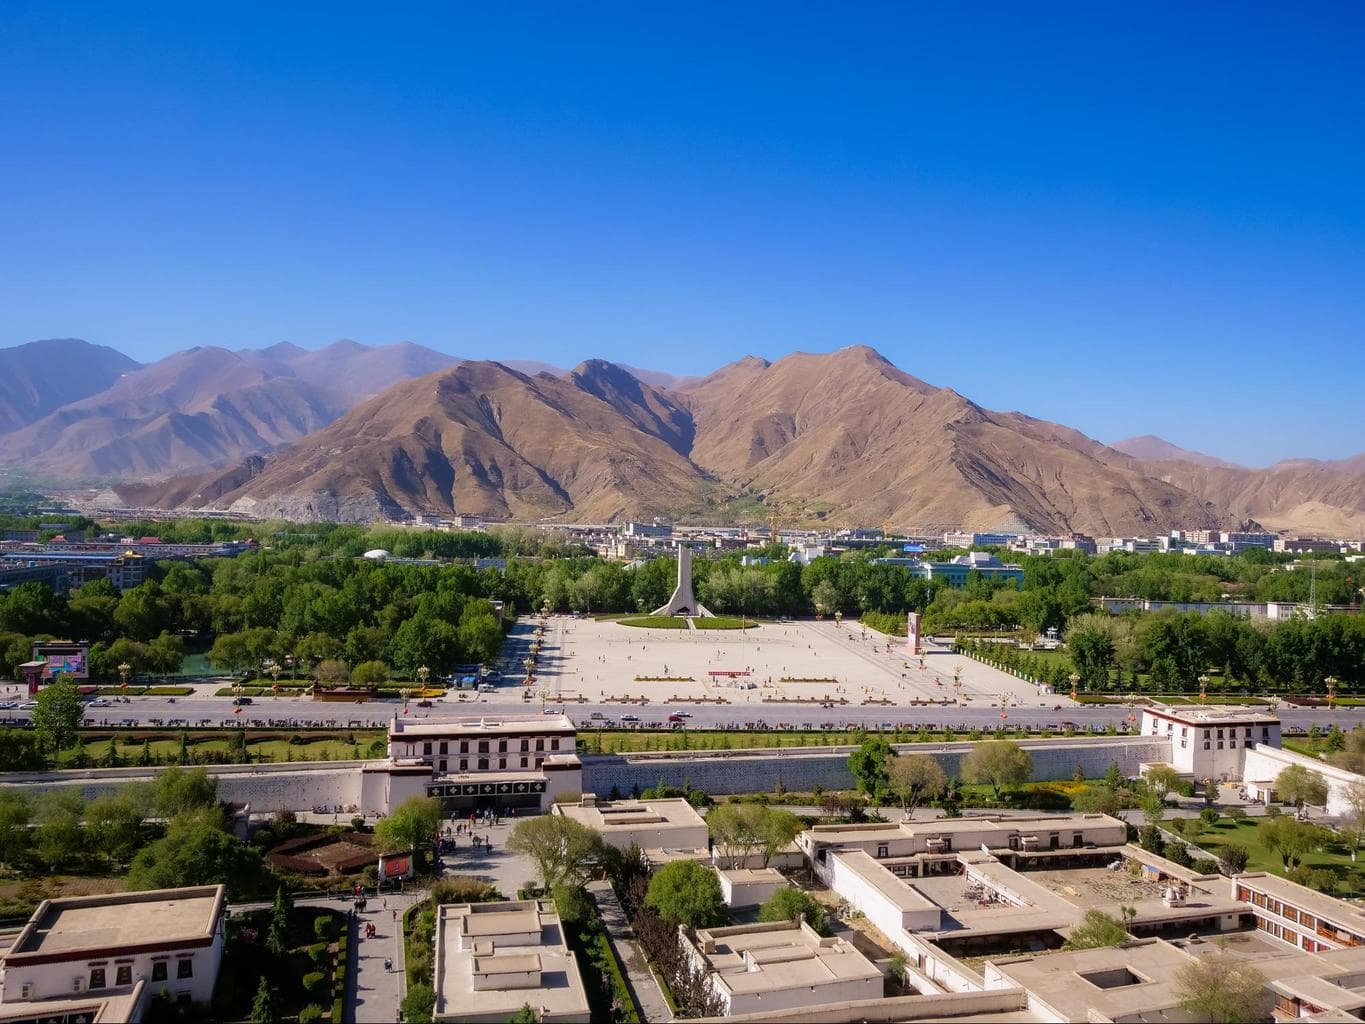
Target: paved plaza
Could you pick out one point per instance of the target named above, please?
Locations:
(806, 660)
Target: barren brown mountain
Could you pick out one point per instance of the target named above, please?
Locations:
(208, 407)
(42, 376)
(850, 435)
(1150, 448)
(480, 438)
(840, 438)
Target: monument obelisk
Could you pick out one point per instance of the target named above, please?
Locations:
(683, 601)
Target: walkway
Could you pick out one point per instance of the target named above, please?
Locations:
(648, 996)
(376, 993)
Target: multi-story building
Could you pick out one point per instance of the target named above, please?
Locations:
(1210, 741)
(469, 764)
(1299, 915)
(79, 947)
(755, 968)
(491, 959)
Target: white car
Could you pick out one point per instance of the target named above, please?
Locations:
(28, 705)
(6, 705)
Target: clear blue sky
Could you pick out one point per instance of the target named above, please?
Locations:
(1129, 219)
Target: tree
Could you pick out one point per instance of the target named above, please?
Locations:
(196, 851)
(15, 814)
(1161, 779)
(997, 763)
(1113, 775)
(420, 1003)
(1223, 988)
(525, 1015)
(58, 838)
(114, 825)
(1096, 800)
(263, 1009)
(177, 791)
(20, 751)
(825, 597)
(790, 903)
(370, 673)
(1288, 838)
(1091, 644)
(1354, 796)
(684, 892)
(868, 765)
(561, 848)
(1298, 785)
(1097, 929)
(412, 825)
(741, 830)
(58, 715)
(914, 779)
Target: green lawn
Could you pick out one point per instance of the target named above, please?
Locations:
(208, 746)
(677, 622)
(1332, 856)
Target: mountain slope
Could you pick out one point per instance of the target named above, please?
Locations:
(1150, 448)
(208, 406)
(42, 376)
(850, 435)
(480, 438)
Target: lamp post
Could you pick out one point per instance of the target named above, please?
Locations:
(957, 682)
(1331, 682)
(423, 674)
(1203, 689)
(1075, 678)
(289, 664)
(123, 669)
(405, 693)
(838, 619)
(273, 667)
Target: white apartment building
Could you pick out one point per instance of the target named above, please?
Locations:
(80, 947)
(1209, 741)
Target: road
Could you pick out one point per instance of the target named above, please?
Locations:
(300, 712)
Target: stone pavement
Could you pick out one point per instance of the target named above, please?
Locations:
(377, 993)
(648, 996)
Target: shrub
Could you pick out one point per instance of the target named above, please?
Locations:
(419, 1003)
(1206, 866)
(1209, 815)
(1233, 858)
(1235, 813)
(463, 889)
(1177, 853)
(317, 952)
(312, 981)
(337, 1010)
(310, 1014)
(1321, 879)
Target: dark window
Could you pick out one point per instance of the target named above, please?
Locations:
(525, 745)
(502, 762)
(539, 760)
(184, 968)
(1206, 744)
(464, 764)
(159, 970)
(464, 746)
(540, 744)
(125, 974)
(426, 748)
(96, 977)
(554, 743)
(443, 747)
(441, 766)
(1220, 744)
(882, 850)
(483, 763)
(524, 762)
(483, 746)
(502, 746)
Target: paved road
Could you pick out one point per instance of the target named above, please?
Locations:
(299, 712)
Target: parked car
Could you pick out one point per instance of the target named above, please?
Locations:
(238, 701)
(630, 718)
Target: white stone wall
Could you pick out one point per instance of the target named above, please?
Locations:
(1264, 764)
(862, 895)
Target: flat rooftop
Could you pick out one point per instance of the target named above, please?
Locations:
(882, 830)
(483, 725)
(1214, 714)
(781, 956)
(608, 816)
(81, 925)
(490, 942)
(1316, 903)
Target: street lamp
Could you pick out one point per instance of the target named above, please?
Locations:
(957, 682)
(423, 674)
(405, 693)
(838, 619)
(123, 669)
(1075, 678)
(1203, 688)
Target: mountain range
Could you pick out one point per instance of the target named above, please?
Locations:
(363, 433)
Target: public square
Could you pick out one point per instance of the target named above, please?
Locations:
(808, 661)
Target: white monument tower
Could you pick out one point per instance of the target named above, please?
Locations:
(683, 601)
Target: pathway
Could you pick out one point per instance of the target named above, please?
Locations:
(648, 996)
(377, 993)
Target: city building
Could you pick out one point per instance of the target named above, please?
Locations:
(666, 824)
(964, 539)
(1210, 741)
(129, 946)
(504, 763)
(491, 959)
(749, 887)
(753, 968)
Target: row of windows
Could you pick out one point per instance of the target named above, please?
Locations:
(443, 747)
(1212, 733)
(123, 973)
(483, 764)
(1325, 929)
